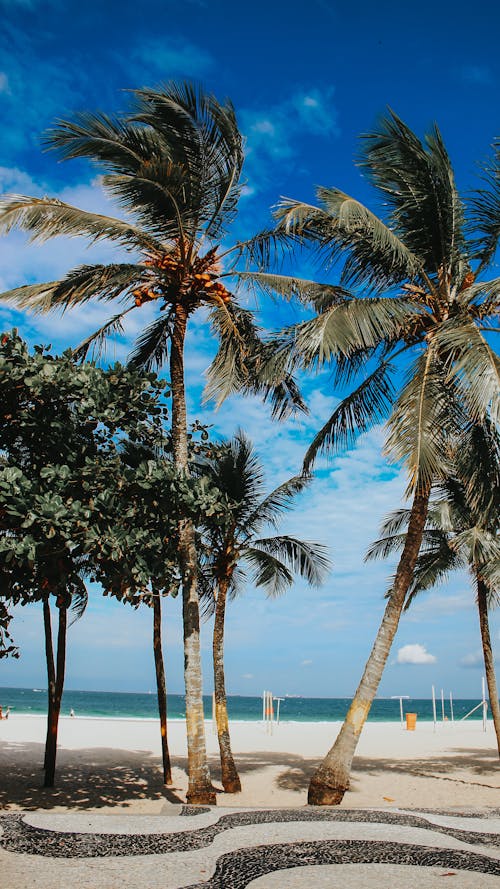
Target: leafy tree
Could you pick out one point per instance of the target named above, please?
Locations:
(60, 426)
(417, 309)
(173, 164)
(233, 543)
(461, 531)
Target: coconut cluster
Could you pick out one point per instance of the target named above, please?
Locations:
(199, 282)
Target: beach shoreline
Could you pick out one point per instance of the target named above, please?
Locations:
(105, 764)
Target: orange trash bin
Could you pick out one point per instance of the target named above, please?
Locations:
(411, 722)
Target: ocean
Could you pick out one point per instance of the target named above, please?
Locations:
(135, 705)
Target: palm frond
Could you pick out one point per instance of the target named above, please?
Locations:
(95, 344)
(200, 136)
(271, 509)
(46, 218)
(357, 324)
(418, 185)
(361, 410)
(319, 296)
(268, 572)
(422, 422)
(307, 559)
(484, 215)
(151, 348)
(244, 363)
(473, 366)
(344, 227)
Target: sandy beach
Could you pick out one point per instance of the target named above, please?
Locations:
(107, 765)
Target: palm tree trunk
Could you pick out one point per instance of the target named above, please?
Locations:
(161, 687)
(489, 662)
(50, 764)
(51, 672)
(200, 790)
(230, 778)
(331, 780)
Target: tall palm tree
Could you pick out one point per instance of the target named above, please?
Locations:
(461, 531)
(417, 307)
(173, 164)
(235, 543)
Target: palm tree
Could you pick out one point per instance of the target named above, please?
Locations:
(461, 531)
(174, 164)
(236, 541)
(417, 307)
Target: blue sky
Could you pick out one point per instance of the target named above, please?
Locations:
(306, 80)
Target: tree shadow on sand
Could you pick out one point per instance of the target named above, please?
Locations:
(481, 763)
(85, 779)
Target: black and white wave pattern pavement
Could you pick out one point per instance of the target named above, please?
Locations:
(213, 849)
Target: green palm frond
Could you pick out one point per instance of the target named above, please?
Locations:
(151, 348)
(361, 410)
(272, 507)
(242, 365)
(477, 462)
(344, 227)
(355, 325)
(418, 185)
(319, 296)
(95, 344)
(484, 217)
(268, 572)
(483, 297)
(422, 423)
(82, 284)
(473, 366)
(79, 601)
(46, 218)
(308, 560)
(201, 135)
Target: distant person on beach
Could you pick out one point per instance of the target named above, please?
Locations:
(6, 714)
(72, 712)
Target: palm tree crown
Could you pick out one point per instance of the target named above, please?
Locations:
(417, 301)
(237, 541)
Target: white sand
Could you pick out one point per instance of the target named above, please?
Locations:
(105, 763)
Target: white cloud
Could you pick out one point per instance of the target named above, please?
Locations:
(306, 663)
(4, 83)
(272, 132)
(474, 659)
(415, 654)
(171, 57)
(476, 74)
(247, 676)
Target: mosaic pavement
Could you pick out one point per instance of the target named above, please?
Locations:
(210, 848)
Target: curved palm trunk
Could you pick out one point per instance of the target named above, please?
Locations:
(331, 780)
(161, 687)
(53, 723)
(200, 790)
(489, 662)
(230, 778)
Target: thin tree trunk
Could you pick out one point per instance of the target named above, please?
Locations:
(161, 687)
(489, 661)
(50, 765)
(230, 778)
(200, 790)
(51, 672)
(331, 780)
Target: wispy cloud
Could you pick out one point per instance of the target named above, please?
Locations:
(415, 654)
(171, 57)
(273, 133)
(476, 74)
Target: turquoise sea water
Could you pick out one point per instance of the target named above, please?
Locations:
(248, 709)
